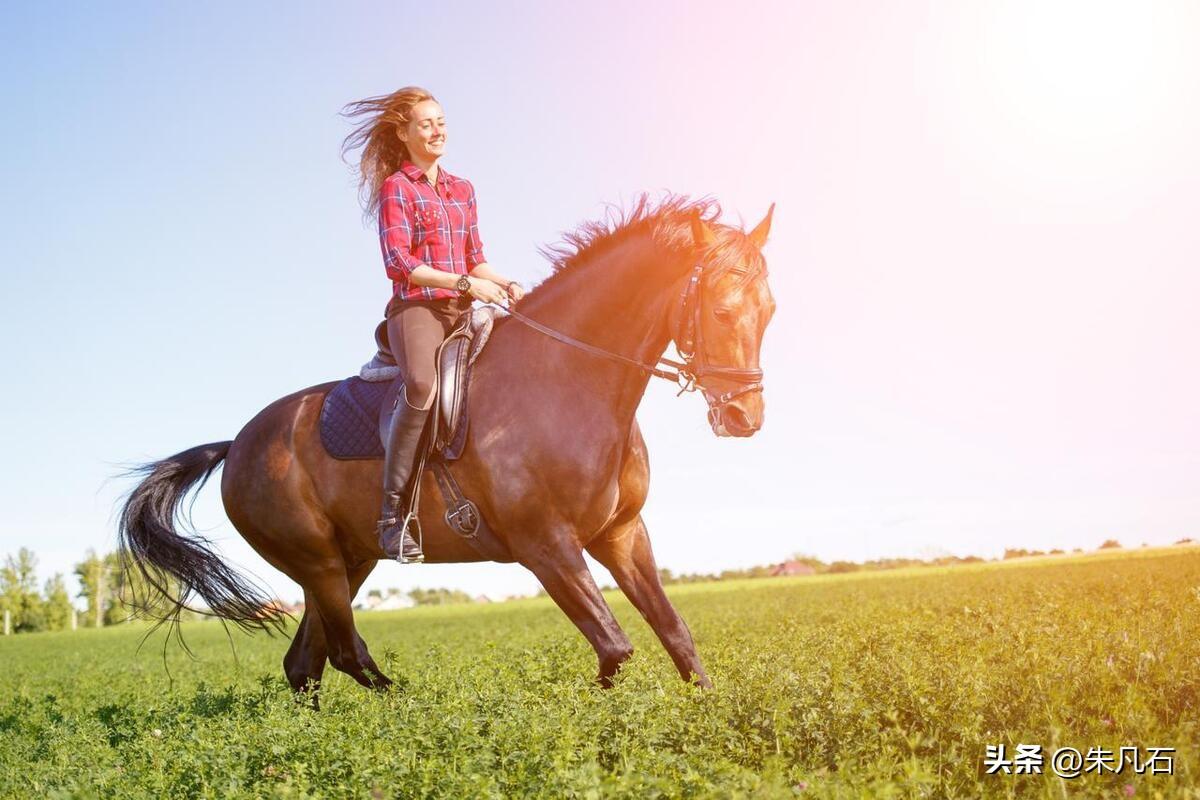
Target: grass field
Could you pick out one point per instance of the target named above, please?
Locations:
(869, 685)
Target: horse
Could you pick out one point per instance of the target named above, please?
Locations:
(554, 454)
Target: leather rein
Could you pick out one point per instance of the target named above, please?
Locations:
(688, 341)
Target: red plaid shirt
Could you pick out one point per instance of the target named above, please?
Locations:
(421, 224)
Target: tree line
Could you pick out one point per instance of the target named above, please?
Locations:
(108, 591)
(820, 567)
(427, 597)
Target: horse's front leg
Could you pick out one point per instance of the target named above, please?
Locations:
(558, 563)
(625, 551)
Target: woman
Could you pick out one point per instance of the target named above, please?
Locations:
(429, 235)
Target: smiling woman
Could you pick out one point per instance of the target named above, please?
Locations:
(429, 235)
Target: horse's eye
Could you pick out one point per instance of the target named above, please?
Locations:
(723, 314)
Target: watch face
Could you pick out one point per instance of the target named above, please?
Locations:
(464, 285)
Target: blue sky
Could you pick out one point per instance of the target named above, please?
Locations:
(983, 254)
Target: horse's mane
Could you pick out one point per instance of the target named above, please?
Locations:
(669, 222)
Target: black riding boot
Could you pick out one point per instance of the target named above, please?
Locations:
(400, 448)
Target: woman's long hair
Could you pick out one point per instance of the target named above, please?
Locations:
(382, 150)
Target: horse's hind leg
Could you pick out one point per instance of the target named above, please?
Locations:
(565, 576)
(305, 660)
(298, 539)
(331, 591)
(625, 552)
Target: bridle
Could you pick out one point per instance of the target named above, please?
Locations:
(689, 341)
(687, 374)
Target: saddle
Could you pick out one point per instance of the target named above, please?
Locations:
(350, 419)
(455, 357)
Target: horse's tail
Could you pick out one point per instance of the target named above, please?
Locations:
(152, 551)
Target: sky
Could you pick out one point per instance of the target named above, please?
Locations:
(984, 251)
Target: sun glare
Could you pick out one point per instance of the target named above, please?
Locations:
(1088, 74)
(1066, 104)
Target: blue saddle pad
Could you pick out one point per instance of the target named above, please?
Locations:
(350, 418)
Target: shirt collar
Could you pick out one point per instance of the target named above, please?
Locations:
(414, 172)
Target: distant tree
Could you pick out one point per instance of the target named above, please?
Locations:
(120, 591)
(114, 595)
(375, 593)
(735, 574)
(57, 607)
(1184, 541)
(665, 576)
(133, 596)
(1056, 552)
(19, 594)
(1110, 544)
(843, 566)
(1015, 552)
(438, 597)
(95, 586)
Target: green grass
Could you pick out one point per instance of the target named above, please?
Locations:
(865, 685)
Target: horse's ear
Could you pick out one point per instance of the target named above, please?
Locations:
(702, 234)
(759, 235)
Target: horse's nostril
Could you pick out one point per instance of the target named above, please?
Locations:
(740, 419)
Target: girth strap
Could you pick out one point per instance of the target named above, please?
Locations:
(463, 516)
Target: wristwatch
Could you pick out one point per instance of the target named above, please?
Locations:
(463, 285)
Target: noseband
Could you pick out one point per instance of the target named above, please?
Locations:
(689, 340)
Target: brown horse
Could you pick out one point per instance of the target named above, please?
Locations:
(554, 457)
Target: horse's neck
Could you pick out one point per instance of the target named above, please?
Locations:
(619, 301)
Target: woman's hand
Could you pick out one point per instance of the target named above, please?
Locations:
(486, 291)
(515, 290)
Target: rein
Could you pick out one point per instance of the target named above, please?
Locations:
(653, 369)
(685, 374)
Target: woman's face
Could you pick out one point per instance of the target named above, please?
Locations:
(425, 135)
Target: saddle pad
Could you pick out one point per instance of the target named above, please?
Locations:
(350, 418)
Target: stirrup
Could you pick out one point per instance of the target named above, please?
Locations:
(410, 551)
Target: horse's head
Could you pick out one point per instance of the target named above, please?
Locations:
(726, 305)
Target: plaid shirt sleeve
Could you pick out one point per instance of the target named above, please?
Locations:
(475, 255)
(395, 232)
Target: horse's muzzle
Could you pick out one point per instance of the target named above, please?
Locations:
(732, 420)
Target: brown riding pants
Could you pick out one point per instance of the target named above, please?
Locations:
(415, 329)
